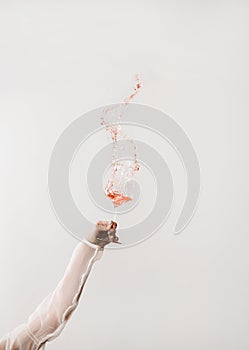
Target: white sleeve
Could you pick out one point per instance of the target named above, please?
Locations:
(51, 316)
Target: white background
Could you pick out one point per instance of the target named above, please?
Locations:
(60, 59)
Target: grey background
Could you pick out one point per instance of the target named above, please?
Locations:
(61, 59)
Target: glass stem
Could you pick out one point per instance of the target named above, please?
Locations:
(115, 214)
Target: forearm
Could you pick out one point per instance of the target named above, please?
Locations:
(52, 314)
(50, 317)
(72, 283)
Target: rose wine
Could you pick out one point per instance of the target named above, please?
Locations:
(121, 172)
(117, 198)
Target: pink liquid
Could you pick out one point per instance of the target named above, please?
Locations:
(115, 131)
(117, 198)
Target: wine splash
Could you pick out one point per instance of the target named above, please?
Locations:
(117, 198)
(121, 170)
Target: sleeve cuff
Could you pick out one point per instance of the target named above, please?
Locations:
(92, 245)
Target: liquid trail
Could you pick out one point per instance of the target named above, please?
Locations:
(121, 172)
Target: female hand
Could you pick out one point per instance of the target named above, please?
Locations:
(104, 233)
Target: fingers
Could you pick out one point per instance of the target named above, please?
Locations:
(102, 225)
(106, 232)
(112, 232)
(106, 225)
(114, 225)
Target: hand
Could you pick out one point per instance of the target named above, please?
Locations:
(104, 233)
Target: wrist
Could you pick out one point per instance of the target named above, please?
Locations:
(91, 244)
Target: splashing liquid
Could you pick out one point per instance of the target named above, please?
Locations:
(111, 118)
(117, 198)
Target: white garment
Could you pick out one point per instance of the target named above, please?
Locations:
(51, 316)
